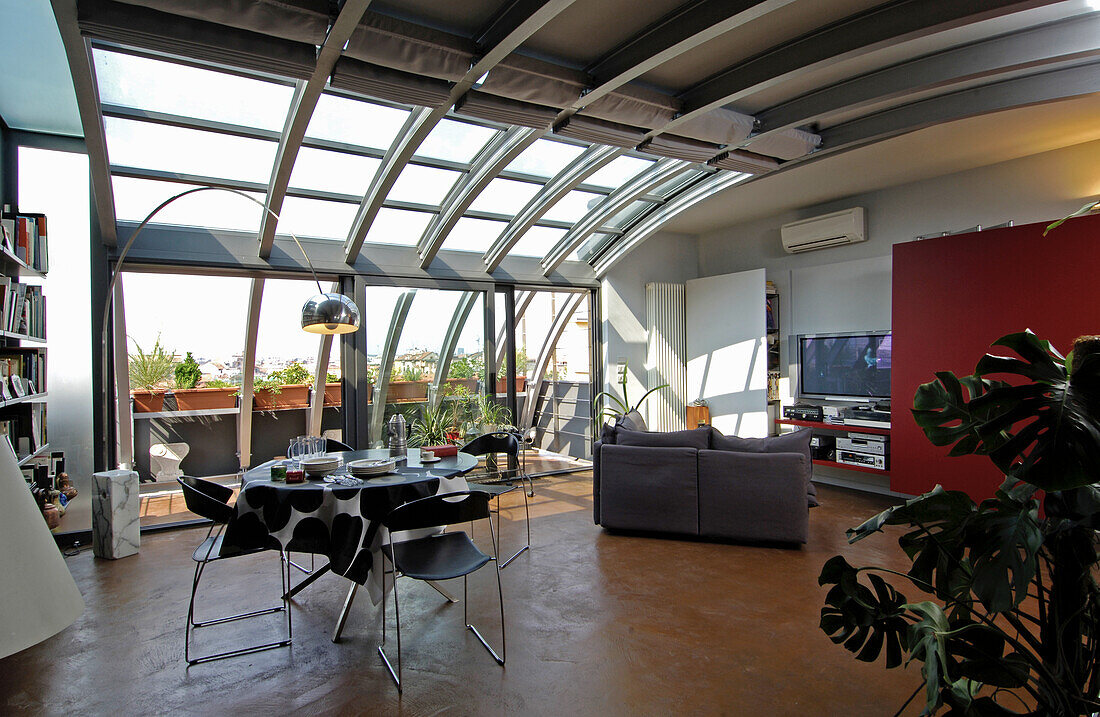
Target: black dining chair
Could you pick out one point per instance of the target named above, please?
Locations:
(442, 556)
(334, 446)
(211, 501)
(507, 443)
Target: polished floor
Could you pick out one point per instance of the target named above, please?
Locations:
(598, 624)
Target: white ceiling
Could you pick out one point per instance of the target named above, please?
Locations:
(36, 89)
(932, 152)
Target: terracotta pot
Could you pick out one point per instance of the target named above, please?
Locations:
(521, 384)
(334, 394)
(407, 391)
(296, 396)
(202, 399)
(148, 401)
(470, 385)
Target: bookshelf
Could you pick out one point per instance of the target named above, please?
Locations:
(23, 268)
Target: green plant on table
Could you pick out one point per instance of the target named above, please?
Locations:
(614, 408)
(434, 426)
(150, 370)
(187, 373)
(1014, 623)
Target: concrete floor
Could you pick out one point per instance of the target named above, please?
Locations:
(598, 624)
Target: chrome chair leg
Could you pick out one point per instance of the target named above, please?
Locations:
(347, 609)
(465, 610)
(441, 591)
(397, 619)
(527, 516)
(301, 568)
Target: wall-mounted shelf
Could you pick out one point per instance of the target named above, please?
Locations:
(30, 398)
(31, 456)
(833, 427)
(21, 337)
(25, 269)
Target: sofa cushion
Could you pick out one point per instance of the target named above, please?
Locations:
(698, 438)
(752, 496)
(649, 489)
(632, 421)
(793, 442)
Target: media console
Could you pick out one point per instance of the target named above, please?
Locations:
(864, 458)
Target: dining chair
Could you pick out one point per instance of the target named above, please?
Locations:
(509, 444)
(333, 446)
(442, 556)
(211, 501)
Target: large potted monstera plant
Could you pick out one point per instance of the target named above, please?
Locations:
(1009, 622)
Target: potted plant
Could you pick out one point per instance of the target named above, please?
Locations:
(189, 397)
(1014, 619)
(614, 409)
(408, 385)
(286, 388)
(150, 373)
(434, 427)
(334, 395)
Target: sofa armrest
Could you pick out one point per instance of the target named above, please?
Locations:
(645, 488)
(596, 481)
(753, 496)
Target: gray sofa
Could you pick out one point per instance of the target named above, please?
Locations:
(701, 483)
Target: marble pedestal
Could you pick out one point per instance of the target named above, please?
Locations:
(116, 514)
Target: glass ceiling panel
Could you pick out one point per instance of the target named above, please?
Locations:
(618, 171)
(214, 209)
(188, 151)
(455, 141)
(590, 247)
(473, 234)
(545, 158)
(675, 183)
(537, 242)
(316, 218)
(573, 206)
(160, 86)
(398, 226)
(505, 196)
(423, 185)
(333, 171)
(340, 119)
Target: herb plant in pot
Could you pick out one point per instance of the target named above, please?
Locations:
(614, 410)
(189, 397)
(150, 373)
(1009, 622)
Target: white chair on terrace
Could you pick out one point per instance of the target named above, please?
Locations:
(165, 459)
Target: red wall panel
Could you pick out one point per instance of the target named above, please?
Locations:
(952, 297)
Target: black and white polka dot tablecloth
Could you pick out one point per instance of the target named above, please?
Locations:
(340, 522)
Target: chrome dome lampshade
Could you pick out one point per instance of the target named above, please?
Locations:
(330, 314)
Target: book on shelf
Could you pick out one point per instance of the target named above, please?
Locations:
(24, 308)
(27, 364)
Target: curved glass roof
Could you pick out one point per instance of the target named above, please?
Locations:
(470, 185)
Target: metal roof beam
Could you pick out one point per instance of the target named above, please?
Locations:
(655, 176)
(584, 166)
(78, 51)
(518, 21)
(497, 155)
(1070, 39)
(302, 105)
(894, 22)
(656, 219)
(541, 364)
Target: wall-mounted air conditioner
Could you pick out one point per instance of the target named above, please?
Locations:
(844, 227)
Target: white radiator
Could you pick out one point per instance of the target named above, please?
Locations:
(666, 328)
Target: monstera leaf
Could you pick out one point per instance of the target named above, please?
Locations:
(1041, 428)
(866, 620)
(1003, 540)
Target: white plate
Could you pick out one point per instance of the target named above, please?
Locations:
(437, 459)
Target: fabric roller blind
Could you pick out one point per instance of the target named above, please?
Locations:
(500, 109)
(690, 150)
(788, 144)
(738, 161)
(400, 45)
(154, 30)
(635, 106)
(601, 131)
(721, 126)
(298, 20)
(385, 84)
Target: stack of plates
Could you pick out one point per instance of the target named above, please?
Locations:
(320, 465)
(367, 467)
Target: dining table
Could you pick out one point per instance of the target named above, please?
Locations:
(342, 522)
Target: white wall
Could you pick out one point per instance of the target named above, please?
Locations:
(664, 257)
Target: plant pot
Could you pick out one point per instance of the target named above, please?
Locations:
(334, 394)
(521, 384)
(407, 391)
(148, 401)
(202, 399)
(296, 396)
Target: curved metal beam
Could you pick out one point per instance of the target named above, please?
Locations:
(302, 105)
(124, 417)
(585, 165)
(504, 34)
(389, 351)
(898, 21)
(662, 171)
(556, 329)
(502, 335)
(78, 51)
(1032, 89)
(248, 372)
(450, 340)
(1070, 39)
(656, 219)
(497, 155)
(683, 30)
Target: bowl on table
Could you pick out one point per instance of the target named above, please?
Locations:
(319, 466)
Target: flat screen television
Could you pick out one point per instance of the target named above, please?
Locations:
(846, 366)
